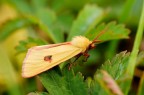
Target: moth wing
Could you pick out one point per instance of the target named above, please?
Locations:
(34, 62)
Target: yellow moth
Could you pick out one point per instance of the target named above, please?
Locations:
(43, 58)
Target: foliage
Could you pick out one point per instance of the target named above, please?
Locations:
(56, 21)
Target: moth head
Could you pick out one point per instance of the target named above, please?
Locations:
(81, 42)
(84, 43)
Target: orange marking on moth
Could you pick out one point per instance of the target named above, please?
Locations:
(50, 46)
(48, 58)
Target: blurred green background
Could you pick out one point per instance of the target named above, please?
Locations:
(26, 23)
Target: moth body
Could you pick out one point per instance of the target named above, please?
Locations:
(81, 42)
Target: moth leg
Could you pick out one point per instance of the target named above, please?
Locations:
(73, 63)
(77, 57)
(69, 67)
(86, 56)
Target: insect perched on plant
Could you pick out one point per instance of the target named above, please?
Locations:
(42, 58)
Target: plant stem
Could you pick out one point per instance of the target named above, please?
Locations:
(134, 53)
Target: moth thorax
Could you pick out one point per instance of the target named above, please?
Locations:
(81, 42)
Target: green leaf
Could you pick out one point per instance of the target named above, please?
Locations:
(75, 83)
(65, 21)
(63, 84)
(21, 5)
(48, 20)
(8, 74)
(90, 16)
(38, 4)
(75, 4)
(25, 45)
(43, 16)
(58, 34)
(103, 84)
(95, 88)
(52, 32)
(117, 66)
(53, 82)
(141, 86)
(10, 26)
(45, 23)
(111, 31)
(38, 93)
(108, 84)
(46, 16)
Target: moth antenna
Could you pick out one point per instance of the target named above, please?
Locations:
(95, 40)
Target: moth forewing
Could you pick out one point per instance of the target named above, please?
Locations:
(35, 62)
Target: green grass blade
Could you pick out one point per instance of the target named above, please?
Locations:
(141, 86)
(132, 61)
